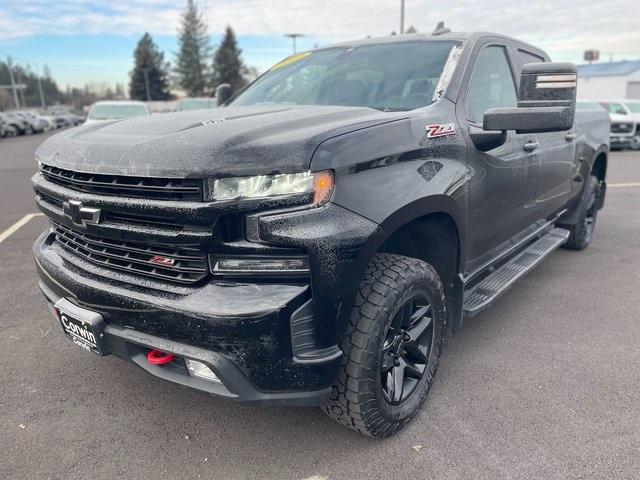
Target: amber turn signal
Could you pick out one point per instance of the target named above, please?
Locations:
(323, 183)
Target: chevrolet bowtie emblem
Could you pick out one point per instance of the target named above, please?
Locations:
(79, 214)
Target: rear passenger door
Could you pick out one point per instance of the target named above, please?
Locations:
(505, 177)
(557, 156)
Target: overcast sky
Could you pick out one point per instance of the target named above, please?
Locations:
(92, 41)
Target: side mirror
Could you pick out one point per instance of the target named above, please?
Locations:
(546, 101)
(486, 140)
(223, 93)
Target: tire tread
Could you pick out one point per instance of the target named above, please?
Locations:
(352, 402)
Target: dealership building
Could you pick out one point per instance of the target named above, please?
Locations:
(609, 80)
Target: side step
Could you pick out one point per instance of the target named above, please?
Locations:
(483, 294)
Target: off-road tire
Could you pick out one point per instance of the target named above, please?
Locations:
(581, 234)
(357, 400)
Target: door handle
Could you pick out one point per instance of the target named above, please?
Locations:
(570, 137)
(530, 146)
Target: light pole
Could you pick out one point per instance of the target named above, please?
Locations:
(42, 102)
(401, 17)
(39, 79)
(13, 84)
(293, 37)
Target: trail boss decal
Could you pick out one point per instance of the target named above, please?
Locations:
(440, 130)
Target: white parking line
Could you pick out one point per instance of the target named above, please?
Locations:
(622, 185)
(16, 226)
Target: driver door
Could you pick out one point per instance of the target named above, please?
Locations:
(504, 183)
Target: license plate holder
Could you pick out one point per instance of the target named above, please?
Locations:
(84, 327)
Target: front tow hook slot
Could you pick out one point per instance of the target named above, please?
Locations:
(156, 357)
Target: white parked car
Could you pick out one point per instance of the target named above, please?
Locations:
(50, 121)
(116, 110)
(194, 103)
(625, 122)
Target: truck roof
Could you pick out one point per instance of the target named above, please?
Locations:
(428, 37)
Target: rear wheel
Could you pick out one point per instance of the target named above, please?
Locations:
(391, 348)
(581, 234)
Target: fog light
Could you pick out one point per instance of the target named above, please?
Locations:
(259, 265)
(200, 370)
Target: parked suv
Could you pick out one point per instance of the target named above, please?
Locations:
(6, 128)
(625, 123)
(312, 241)
(18, 123)
(34, 123)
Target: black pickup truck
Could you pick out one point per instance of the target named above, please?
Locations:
(314, 240)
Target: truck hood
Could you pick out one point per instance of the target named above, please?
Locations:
(217, 142)
(618, 118)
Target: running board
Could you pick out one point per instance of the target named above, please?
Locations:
(484, 293)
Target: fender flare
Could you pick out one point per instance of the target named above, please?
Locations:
(442, 204)
(420, 208)
(571, 217)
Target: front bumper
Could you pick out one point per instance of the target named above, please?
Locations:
(617, 141)
(242, 330)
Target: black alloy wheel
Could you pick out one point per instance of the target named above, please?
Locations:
(392, 346)
(406, 349)
(589, 220)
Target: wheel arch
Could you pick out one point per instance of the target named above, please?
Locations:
(599, 167)
(595, 165)
(432, 230)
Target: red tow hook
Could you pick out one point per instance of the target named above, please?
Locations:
(156, 357)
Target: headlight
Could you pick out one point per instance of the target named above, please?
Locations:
(319, 184)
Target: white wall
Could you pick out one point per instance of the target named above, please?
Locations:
(633, 86)
(601, 88)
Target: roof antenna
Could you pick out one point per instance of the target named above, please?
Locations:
(441, 29)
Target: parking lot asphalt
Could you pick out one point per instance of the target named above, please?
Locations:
(545, 384)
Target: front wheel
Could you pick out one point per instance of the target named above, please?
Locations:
(634, 144)
(391, 348)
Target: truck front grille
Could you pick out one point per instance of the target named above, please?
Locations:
(126, 186)
(621, 127)
(181, 264)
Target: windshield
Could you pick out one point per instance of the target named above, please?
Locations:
(112, 112)
(634, 107)
(390, 77)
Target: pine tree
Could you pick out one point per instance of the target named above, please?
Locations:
(227, 64)
(193, 40)
(149, 71)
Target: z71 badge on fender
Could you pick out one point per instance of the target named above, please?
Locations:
(440, 130)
